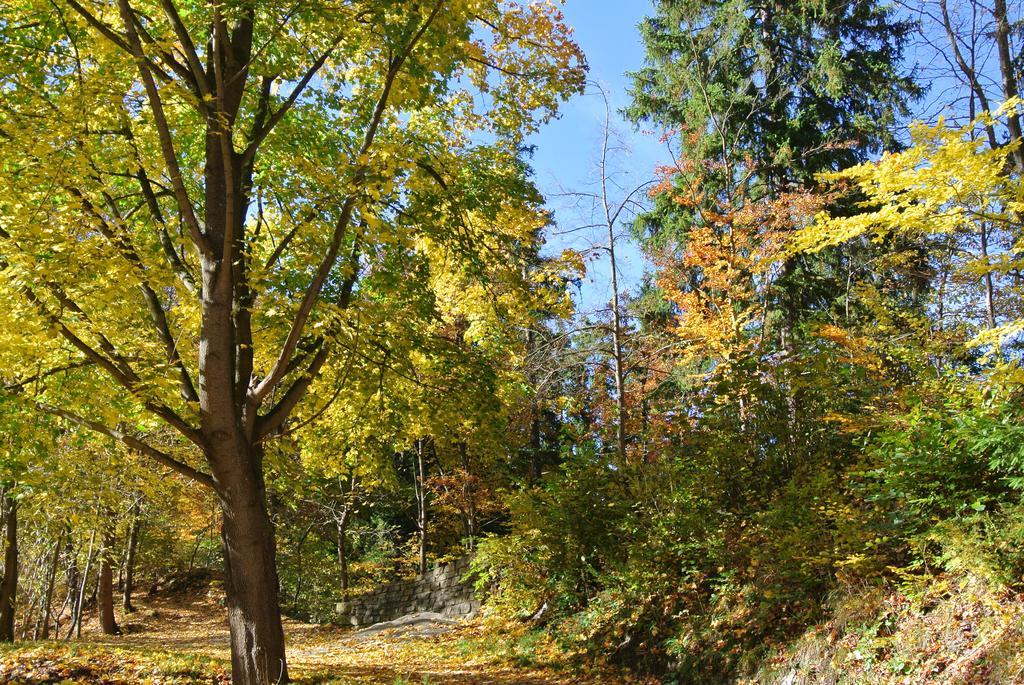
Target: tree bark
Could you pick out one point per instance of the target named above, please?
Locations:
(129, 564)
(534, 471)
(230, 395)
(71, 579)
(298, 563)
(9, 586)
(468, 496)
(787, 342)
(969, 71)
(618, 356)
(251, 581)
(105, 587)
(990, 296)
(341, 515)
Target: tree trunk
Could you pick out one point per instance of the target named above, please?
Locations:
(534, 472)
(105, 587)
(129, 563)
(251, 582)
(1006, 70)
(533, 466)
(76, 614)
(51, 581)
(9, 586)
(618, 356)
(71, 580)
(342, 523)
(787, 327)
(421, 502)
(298, 563)
(468, 496)
(968, 70)
(990, 306)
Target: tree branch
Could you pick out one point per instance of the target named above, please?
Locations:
(275, 418)
(124, 377)
(260, 133)
(20, 385)
(134, 443)
(188, 47)
(277, 371)
(115, 38)
(156, 310)
(175, 262)
(163, 129)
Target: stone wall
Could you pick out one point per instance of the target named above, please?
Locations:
(440, 590)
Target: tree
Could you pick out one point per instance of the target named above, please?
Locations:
(9, 584)
(777, 90)
(966, 47)
(946, 185)
(221, 176)
(105, 584)
(611, 205)
(135, 525)
(759, 98)
(22, 443)
(737, 394)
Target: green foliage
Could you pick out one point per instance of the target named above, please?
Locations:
(824, 393)
(564, 533)
(772, 93)
(987, 545)
(945, 460)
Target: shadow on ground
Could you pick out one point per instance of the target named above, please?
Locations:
(195, 622)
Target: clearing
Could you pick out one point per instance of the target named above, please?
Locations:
(183, 638)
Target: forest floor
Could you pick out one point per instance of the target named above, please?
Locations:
(183, 638)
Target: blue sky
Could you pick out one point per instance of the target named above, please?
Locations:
(567, 149)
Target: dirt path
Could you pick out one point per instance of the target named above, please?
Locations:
(196, 624)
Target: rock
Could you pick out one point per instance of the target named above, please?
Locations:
(421, 624)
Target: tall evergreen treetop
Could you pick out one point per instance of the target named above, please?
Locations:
(790, 87)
